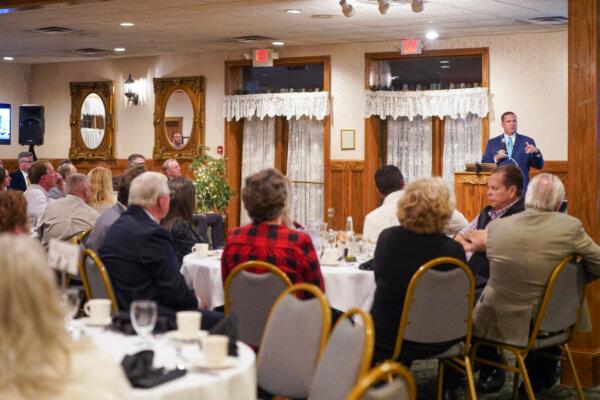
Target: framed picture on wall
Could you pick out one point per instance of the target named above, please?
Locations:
(5, 123)
(348, 139)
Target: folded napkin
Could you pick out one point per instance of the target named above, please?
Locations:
(139, 371)
(121, 322)
(228, 326)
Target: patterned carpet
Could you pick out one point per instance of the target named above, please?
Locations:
(425, 373)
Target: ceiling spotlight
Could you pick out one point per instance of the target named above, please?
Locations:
(384, 6)
(8, 58)
(347, 9)
(278, 43)
(294, 11)
(119, 49)
(432, 35)
(417, 5)
(127, 24)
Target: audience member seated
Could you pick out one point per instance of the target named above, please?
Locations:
(108, 217)
(179, 221)
(132, 161)
(505, 198)
(423, 211)
(70, 215)
(139, 256)
(19, 180)
(389, 182)
(38, 358)
(65, 168)
(43, 178)
(13, 213)
(265, 197)
(102, 194)
(171, 168)
(4, 179)
(523, 250)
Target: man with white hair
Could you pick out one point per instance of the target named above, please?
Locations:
(139, 256)
(523, 250)
(70, 215)
(171, 168)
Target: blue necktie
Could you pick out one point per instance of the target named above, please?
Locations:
(509, 146)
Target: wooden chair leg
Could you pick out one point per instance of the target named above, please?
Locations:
(565, 348)
(526, 381)
(470, 380)
(440, 388)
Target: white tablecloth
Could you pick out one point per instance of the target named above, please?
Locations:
(346, 286)
(236, 383)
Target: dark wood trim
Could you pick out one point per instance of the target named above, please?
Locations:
(437, 146)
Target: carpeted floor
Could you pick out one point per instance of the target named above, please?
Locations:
(425, 373)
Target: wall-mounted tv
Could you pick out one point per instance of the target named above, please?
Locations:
(4, 123)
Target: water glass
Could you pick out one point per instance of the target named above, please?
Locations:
(143, 318)
(70, 297)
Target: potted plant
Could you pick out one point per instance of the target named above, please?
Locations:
(212, 189)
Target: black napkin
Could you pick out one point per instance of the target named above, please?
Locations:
(228, 326)
(139, 371)
(121, 322)
(367, 265)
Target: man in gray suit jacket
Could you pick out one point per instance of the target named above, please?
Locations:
(523, 250)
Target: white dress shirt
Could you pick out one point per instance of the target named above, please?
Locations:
(37, 201)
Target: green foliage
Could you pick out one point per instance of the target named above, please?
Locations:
(212, 189)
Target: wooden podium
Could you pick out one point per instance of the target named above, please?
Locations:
(470, 190)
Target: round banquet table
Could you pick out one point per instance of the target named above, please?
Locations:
(346, 286)
(235, 383)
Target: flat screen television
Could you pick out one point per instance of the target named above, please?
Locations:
(5, 123)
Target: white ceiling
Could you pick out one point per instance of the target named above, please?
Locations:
(172, 26)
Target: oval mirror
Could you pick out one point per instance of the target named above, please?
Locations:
(179, 119)
(93, 118)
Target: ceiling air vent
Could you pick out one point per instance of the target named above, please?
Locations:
(54, 30)
(252, 39)
(549, 20)
(90, 51)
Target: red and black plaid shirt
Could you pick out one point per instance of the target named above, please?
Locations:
(289, 250)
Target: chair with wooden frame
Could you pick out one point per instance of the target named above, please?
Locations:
(438, 307)
(252, 295)
(553, 325)
(294, 340)
(400, 384)
(96, 282)
(347, 357)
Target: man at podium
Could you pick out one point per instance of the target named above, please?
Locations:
(513, 148)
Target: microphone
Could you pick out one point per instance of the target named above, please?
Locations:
(507, 155)
(477, 168)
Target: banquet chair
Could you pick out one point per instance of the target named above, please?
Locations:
(294, 339)
(251, 296)
(438, 308)
(553, 325)
(80, 238)
(400, 384)
(96, 281)
(347, 357)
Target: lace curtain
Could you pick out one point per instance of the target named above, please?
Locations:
(305, 169)
(289, 105)
(258, 151)
(462, 144)
(409, 146)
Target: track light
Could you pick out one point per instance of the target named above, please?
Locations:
(347, 9)
(384, 6)
(417, 5)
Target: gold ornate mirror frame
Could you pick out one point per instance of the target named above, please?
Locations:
(193, 86)
(106, 148)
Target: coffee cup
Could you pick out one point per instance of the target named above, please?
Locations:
(200, 250)
(188, 322)
(330, 255)
(98, 309)
(214, 348)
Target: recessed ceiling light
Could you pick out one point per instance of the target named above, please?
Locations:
(294, 11)
(444, 62)
(432, 35)
(127, 24)
(119, 49)
(7, 58)
(445, 66)
(278, 43)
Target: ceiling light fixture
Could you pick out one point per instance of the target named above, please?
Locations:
(294, 11)
(384, 6)
(119, 49)
(432, 35)
(129, 90)
(417, 5)
(278, 43)
(347, 9)
(127, 24)
(8, 58)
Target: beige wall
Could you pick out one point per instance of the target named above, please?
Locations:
(528, 75)
(14, 90)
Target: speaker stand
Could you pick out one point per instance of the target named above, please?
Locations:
(32, 151)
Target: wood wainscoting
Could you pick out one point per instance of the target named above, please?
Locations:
(346, 193)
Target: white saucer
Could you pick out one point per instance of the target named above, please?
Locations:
(177, 335)
(228, 362)
(94, 322)
(335, 264)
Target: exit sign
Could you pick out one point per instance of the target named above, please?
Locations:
(262, 58)
(411, 46)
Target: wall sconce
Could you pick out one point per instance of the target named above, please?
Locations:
(129, 91)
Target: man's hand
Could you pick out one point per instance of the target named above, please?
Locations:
(529, 148)
(477, 239)
(500, 155)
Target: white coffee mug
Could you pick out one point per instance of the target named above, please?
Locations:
(200, 250)
(330, 255)
(214, 348)
(98, 309)
(188, 322)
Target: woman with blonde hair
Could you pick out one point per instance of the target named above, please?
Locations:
(102, 189)
(38, 358)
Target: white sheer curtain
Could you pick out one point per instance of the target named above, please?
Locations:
(462, 144)
(305, 169)
(409, 146)
(258, 151)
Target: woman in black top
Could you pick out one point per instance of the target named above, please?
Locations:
(179, 221)
(424, 210)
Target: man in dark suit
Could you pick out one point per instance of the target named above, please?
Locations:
(139, 256)
(19, 178)
(513, 148)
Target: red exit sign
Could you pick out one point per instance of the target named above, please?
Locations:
(262, 58)
(411, 46)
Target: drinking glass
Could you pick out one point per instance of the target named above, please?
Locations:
(143, 318)
(71, 297)
(331, 238)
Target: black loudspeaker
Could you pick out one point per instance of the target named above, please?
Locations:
(31, 125)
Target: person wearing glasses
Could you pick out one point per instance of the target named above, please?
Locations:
(19, 180)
